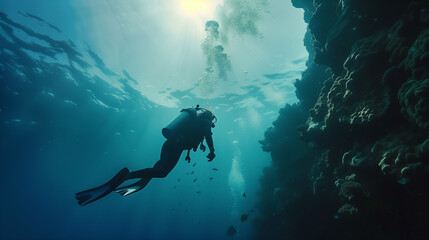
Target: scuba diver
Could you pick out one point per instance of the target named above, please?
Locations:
(186, 132)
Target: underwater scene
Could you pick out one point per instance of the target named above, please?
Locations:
(214, 119)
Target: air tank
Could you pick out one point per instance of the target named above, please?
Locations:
(181, 124)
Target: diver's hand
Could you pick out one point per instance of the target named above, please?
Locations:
(202, 147)
(211, 156)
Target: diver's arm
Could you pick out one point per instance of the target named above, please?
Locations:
(209, 140)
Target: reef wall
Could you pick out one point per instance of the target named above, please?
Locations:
(350, 161)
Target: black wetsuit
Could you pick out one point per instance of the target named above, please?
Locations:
(172, 150)
(170, 154)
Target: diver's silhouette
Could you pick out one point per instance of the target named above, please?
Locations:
(186, 132)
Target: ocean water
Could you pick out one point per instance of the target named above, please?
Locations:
(86, 88)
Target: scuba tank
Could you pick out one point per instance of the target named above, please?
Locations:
(181, 124)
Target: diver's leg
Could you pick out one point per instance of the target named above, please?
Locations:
(145, 176)
(155, 171)
(170, 155)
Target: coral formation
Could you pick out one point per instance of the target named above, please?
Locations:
(362, 150)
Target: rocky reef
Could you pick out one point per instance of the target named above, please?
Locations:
(350, 161)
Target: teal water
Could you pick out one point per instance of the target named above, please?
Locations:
(87, 87)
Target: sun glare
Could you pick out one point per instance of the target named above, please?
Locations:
(196, 6)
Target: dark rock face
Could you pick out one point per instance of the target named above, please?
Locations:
(367, 173)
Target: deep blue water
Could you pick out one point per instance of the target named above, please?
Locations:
(69, 121)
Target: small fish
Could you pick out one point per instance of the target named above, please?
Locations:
(244, 194)
(244, 217)
(195, 179)
(193, 165)
(215, 169)
(211, 178)
(198, 192)
(231, 231)
(192, 172)
(174, 186)
(178, 180)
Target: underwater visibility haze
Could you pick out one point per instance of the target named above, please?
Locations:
(314, 113)
(87, 87)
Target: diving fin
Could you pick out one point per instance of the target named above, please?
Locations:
(133, 188)
(94, 194)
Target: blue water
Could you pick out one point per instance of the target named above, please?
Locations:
(71, 117)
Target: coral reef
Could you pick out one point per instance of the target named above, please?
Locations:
(363, 169)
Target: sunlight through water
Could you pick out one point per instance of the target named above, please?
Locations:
(201, 7)
(236, 180)
(194, 6)
(89, 87)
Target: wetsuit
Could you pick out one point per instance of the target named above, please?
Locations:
(170, 154)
